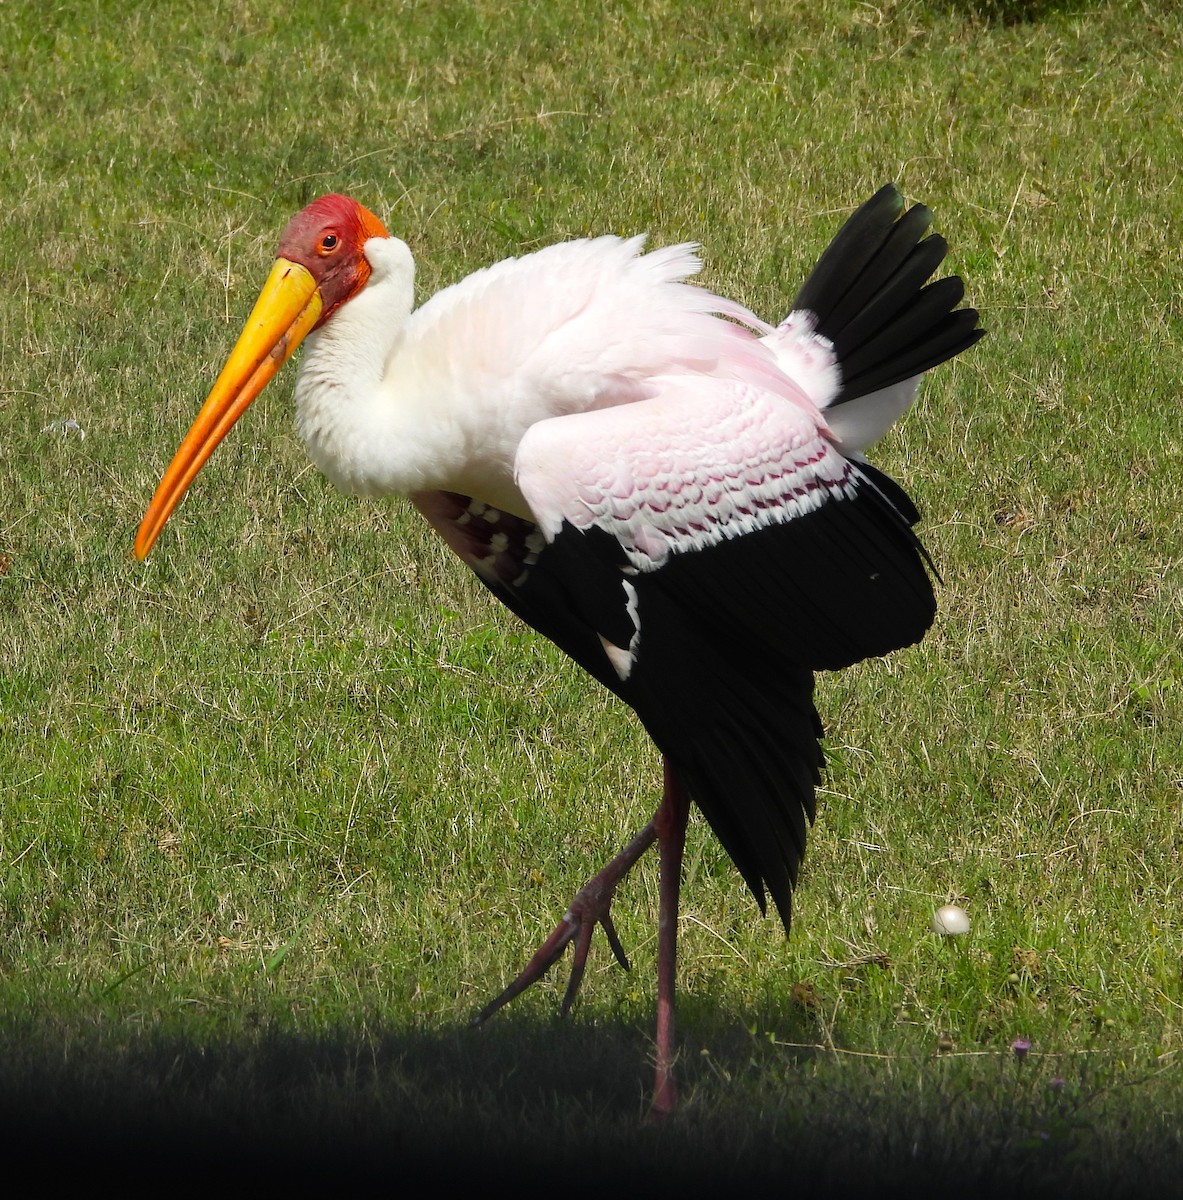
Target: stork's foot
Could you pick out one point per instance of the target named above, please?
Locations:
(591, 907)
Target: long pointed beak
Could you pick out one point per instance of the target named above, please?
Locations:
(287, 308)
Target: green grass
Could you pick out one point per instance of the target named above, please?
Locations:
(281, 808)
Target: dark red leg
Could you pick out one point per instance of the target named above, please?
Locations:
(592, 907)
(670, 823)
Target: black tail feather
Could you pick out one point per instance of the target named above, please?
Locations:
(901, 240)
(894, 299)
(853, 247)
(924, 310)
(869, 295)
(958, 331)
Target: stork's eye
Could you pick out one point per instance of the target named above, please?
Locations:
(328, 243)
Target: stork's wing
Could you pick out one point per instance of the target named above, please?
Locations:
(701, 553)
(511, 558)
(734, 501)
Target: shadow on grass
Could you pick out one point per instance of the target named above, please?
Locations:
(534, 1100)
(1011, 12)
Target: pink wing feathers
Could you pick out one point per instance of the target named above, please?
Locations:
(702, 461)
(585, 324)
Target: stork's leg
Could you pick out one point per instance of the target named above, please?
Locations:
(670, 824)
(591, 907)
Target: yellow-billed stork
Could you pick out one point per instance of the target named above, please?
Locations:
(668, 488)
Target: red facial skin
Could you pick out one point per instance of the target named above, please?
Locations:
(328, 238)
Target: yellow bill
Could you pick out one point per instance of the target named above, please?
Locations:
(288, 307)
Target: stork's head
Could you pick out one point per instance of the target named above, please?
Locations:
(328, 240)
(321, 264)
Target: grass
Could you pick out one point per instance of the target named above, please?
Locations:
(280, 809)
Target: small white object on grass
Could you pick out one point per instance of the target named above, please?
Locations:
(66, 425)
(949, 920)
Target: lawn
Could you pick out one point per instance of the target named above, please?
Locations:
(282, 807)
